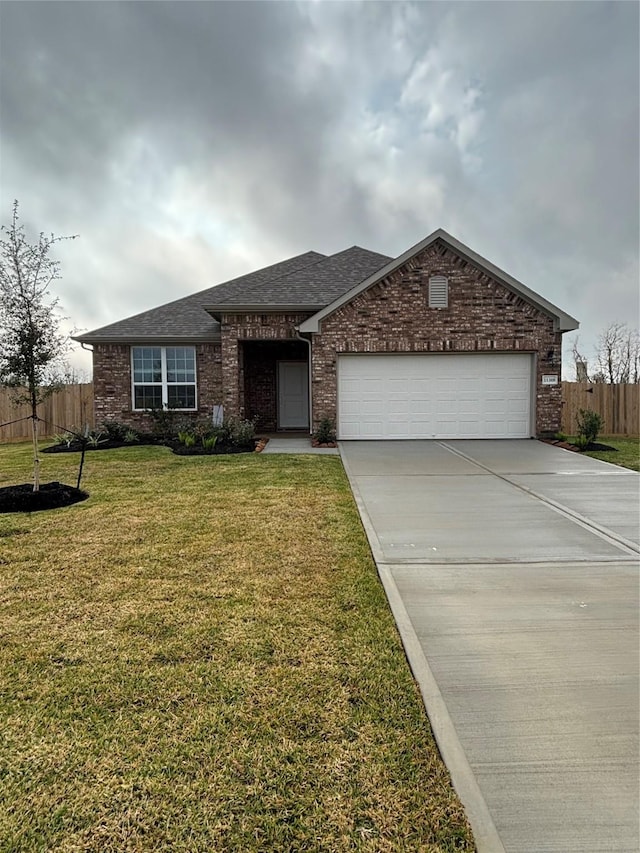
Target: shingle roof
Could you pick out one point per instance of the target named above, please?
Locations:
(314, 285)
(185, 319)
(308, 281)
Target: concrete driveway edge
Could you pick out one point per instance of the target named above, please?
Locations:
(485, 833)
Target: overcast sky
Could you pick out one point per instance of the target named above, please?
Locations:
(187, 143)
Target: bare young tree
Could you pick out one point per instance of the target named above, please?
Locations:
(618, 355)
(31, 344)
(580, 362)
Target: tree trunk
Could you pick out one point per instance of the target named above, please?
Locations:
(36, 458)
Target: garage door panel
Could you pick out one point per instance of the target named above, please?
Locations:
(399, 430)
(517, 407)
(495, 406)
(434, 396)
(371, 428)
(420, 407)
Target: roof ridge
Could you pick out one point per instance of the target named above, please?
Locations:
(259, 285)
(264, 269)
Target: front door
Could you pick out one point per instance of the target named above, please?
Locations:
(293, 395)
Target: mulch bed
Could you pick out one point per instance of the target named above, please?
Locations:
(174, 446)
(54, 495)
(568, 446)
(218, 450)
(107, 444)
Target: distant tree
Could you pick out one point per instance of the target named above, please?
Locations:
(31, 344)
(616, 357)
(580, 362)
(75, 375)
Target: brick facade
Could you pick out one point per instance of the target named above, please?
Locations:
(112, 384)
(236, 328)
(260, 360)
(393, 317)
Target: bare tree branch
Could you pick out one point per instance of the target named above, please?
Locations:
(618, 355)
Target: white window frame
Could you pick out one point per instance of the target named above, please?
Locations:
(164, 384)
(438, 286)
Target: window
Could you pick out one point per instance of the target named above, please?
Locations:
(438, 291)
(164, 377)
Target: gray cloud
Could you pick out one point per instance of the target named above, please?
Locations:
(188, 142)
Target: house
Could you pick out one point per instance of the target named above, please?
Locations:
(437, 343)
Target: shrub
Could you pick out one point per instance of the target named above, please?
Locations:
(96, 438)
(590, 423)
(64, 438)
(187, 438)
(209, 441)
(581, 442)
(241, 433)
(167, 423)
(325, 433)
(115, 431)
(561, 436)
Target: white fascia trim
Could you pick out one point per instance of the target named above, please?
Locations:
(566, 322)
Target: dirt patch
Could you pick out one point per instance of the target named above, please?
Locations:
(54, 495)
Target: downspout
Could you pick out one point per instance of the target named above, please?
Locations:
(308, 343)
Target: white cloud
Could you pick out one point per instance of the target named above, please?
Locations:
(188, 143)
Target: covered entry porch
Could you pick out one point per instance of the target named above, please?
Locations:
(275, 384)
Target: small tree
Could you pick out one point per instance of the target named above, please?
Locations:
(31, 344)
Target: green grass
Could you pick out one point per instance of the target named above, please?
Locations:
(201, 658)
(626, 454)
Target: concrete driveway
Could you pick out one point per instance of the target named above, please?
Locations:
(512, 571)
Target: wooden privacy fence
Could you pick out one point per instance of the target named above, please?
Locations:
(72, 406)
(617, 404)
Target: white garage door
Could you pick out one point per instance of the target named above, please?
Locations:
(434, 396)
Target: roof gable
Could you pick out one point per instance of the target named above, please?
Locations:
(565, 321)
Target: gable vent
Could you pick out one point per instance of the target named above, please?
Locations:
(438, 291)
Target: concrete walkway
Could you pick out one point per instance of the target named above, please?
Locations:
(296, 444)
(512, 571)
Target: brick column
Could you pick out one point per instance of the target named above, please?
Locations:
(231, 373)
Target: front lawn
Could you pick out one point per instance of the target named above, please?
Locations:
(200, 657)
(626, 453)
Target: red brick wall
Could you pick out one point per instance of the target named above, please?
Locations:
(393, 316)
(236, 328)
(260, 361)
(112, 383)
